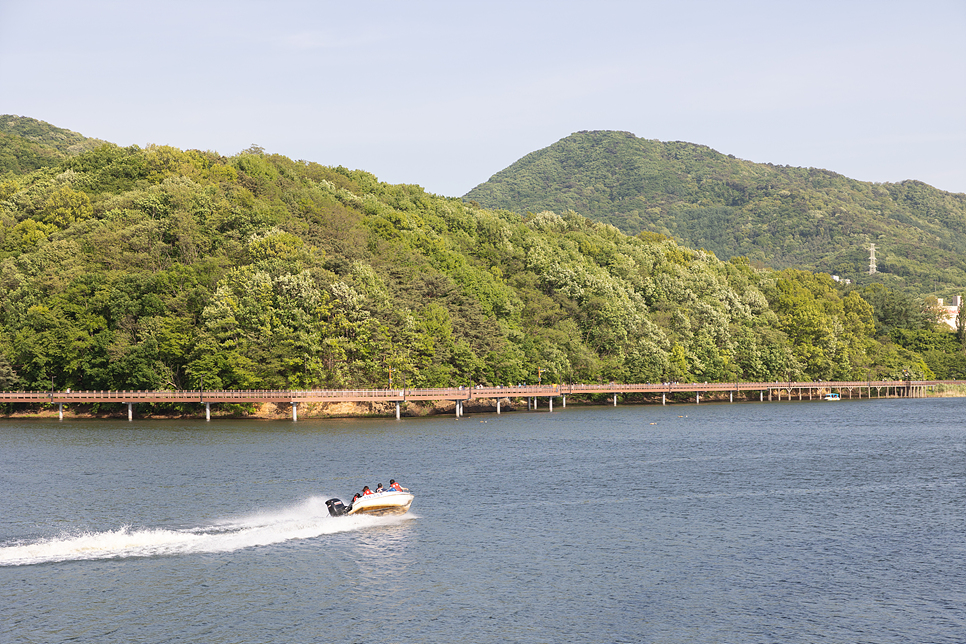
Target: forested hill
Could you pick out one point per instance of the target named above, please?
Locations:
(777, 215)
(145, 268)
(27, 144)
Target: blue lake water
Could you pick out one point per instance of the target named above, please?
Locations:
(754, 522)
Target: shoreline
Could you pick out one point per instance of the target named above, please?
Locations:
(411, 409)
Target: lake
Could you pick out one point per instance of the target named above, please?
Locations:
(752, 522)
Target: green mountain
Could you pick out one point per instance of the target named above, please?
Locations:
(64, 141)
(778, 216)
(27, 144)
(143, 268)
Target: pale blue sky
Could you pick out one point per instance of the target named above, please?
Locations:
(445, 94)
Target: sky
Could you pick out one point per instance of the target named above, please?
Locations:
(446, 94)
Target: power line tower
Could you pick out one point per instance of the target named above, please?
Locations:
(871, 259)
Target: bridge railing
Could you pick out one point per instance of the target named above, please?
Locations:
(448, 393)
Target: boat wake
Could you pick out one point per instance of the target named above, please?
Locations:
(306, 520)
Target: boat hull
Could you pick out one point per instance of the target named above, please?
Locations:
(382, 504)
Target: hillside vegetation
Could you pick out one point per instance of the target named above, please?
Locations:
(28, 144)
(779, 216)
(143, 268)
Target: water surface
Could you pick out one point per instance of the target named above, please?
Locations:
(775, 522)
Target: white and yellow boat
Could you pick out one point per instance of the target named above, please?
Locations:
(386, 503)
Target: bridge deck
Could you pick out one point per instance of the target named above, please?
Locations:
(452, 393)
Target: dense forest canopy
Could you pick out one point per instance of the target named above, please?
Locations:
(145, 268)
(779, 216)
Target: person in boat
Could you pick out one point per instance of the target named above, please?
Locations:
(379, 488)
(395, 486)
(366, 491)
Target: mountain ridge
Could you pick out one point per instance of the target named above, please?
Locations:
(781, 216)
(65, 141)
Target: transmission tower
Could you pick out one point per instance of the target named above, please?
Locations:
(871, 259)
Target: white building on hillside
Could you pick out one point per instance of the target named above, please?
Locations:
(952, 310)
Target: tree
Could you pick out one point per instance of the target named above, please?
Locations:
(961, 325)
(65, 206)
(8, 377)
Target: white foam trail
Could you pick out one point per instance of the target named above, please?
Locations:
(303, 521)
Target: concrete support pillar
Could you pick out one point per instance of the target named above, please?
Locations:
(398, 414)
(130, 411)
(769, 395)
(761, 396)
(534, 403)
(731, 396)
(295, 411)
(60, 410)
(564, 402)
(498, 406)
(207, 411)
(663, 398)
(697, 398)
(551, 404)
(615, 400)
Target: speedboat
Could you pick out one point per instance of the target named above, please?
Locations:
(386, 503)
(831, 396)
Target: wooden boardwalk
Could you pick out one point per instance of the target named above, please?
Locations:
(460, 395)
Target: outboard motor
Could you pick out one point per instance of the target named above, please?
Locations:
(336, 507)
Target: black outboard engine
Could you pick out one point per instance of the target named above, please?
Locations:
(336, 507)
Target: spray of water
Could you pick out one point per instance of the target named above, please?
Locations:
(306, 520)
